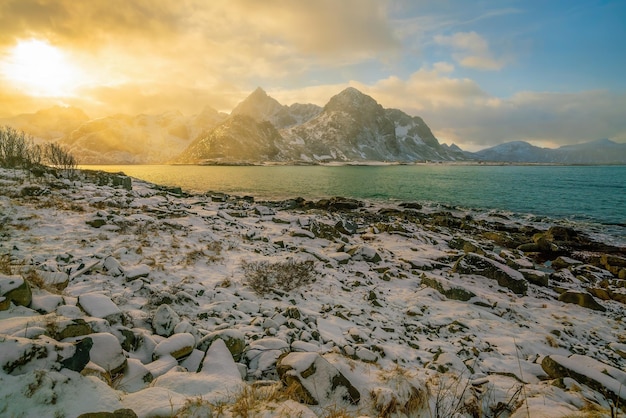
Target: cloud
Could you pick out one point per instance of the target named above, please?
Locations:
(471, 50)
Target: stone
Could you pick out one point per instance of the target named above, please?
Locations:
(81, 356)
(234, 339)
(177, 346)
(563, 262)
(54, 279)
(445, 288)
(599, 376)
(503, 274)
(118, 413)
(365, 253)
(100, 306)
(107, 352)
(165, 320)
(315, 381)
(96, 223)
(583, 299)
(538, 277)
(14, 289)
(113, 266)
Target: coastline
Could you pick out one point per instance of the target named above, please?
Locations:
(399, 295)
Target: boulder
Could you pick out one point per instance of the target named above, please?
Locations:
(100, 306)
(483, 266)
(177, 346)
(234, 339)
(583, 299)
(14, 289)
(81, 356)
(165, 320)
(599, 376)
(563, 262)
(538, 277)
(54, 279)
(443, 286)
(315, 381)
(263, 354)
(107, 352)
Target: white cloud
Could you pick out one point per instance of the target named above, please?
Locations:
(471, 50)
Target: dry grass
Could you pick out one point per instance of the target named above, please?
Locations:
(6, 267)
(264, 277)
(552, 342)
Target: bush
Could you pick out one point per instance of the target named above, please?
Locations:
(263, 276)
(18, 150)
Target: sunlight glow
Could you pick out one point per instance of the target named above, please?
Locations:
(40, 69)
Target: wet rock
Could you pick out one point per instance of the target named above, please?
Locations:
(504, 275)
(583, 299)
(14, 289)
(316, 381)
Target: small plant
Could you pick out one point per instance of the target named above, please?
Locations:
(263, 276)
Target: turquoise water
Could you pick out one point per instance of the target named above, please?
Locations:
(594, 196)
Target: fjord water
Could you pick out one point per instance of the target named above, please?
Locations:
(593, 197)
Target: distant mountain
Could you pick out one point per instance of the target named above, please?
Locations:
(603, 151)
(262, 107)
(48, 124)
(140, 139)
(239, 139)
(351, 127)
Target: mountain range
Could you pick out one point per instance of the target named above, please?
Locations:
(351, 127)
(602, 151)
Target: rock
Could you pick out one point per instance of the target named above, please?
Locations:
(165, 320)
(14, 289)
(263, 354)
(613, 263)
(504, 275)
(563, 262)
(177, 346)
(54, 279)
(234, 339)
(136, 272)
(81, 356)
(465, 246)
(107, 352)
(100, 306)
(410, 205)
(113, 266)
(61, 328)
(444, 287)
(96, 222)
(583, 299)
(136, 377)
(315, 381)
(346, 227)
(118, 413)
(538, 277)
(599, 376)
(368, 254)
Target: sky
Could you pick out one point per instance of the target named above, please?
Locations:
(479, 72)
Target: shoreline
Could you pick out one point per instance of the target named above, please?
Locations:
(390, 294)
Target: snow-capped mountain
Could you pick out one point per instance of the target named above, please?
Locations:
(603, 151)
(140, 139)
(351, 127)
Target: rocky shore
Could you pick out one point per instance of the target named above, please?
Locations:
(120, 298)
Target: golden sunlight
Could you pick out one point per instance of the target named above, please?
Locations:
(40, 69)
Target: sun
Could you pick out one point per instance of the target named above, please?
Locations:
(40, 69)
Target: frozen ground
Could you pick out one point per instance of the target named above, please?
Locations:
(152, 303)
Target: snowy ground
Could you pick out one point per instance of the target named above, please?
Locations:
(142, 300)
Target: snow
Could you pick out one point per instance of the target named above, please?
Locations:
(373, 320)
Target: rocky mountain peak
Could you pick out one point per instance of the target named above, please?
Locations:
(350, 100)
(258, 105)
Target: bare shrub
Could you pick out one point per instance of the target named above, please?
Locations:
(263, 276)
(58, 156)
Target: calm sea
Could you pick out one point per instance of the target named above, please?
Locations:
(589, 197)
